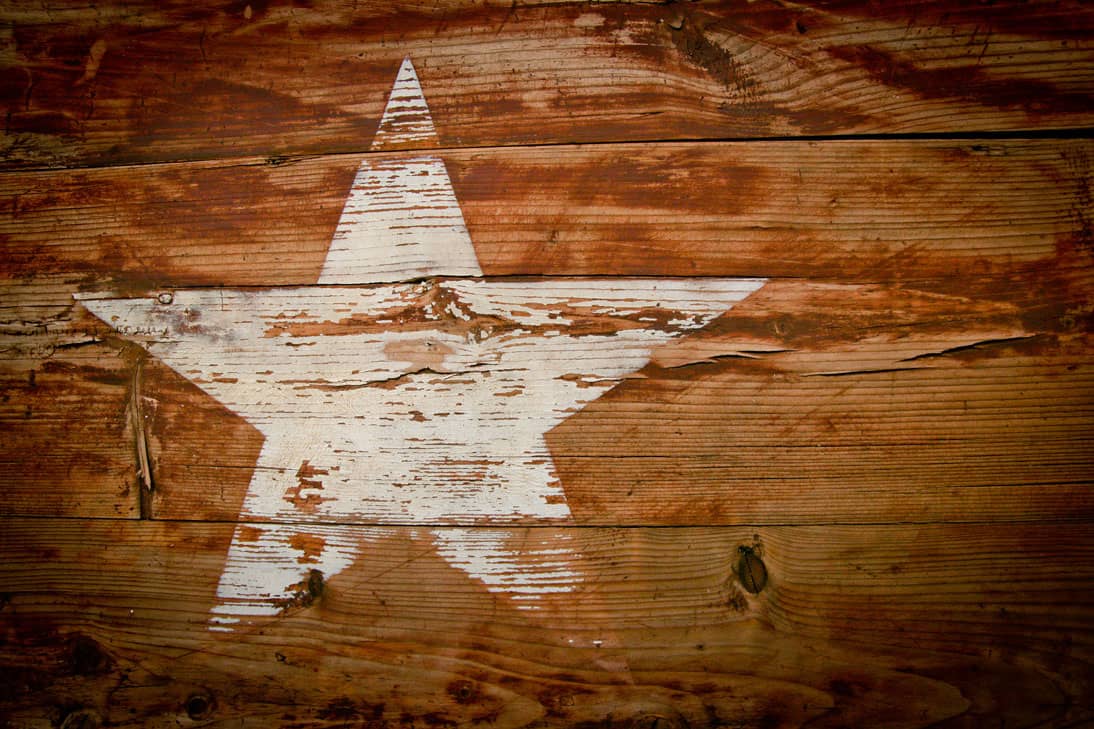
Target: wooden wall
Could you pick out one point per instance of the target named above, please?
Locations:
(862, 497)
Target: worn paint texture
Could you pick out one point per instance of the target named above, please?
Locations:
(402, 217)
(354, 423)
(419, 403)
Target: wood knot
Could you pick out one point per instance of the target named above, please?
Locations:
(86, 657)
(304, 593)
(315, 584)
(658, 721)
(751, 571)
(82, 719)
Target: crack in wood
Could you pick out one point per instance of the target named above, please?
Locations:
(868, 371)
(969, 347)
(736, 354)
(145, 482)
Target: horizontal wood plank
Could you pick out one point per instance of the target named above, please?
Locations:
(1005, 436)
(879, 626)
(805, 403)
(67, 437)
(839, 211)
(153, 81)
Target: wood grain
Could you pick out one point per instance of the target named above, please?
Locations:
(806, 403)
(843, 211)
(853, 492)
(153, 81)
(973, 242)
(895, 626)
(67, 438)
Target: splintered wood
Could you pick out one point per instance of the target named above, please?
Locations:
(343, 384)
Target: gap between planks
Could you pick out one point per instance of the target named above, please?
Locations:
(282, 160)
(559, 526)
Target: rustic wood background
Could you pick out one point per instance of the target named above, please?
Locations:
(899, 422)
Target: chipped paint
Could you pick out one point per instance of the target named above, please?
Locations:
(402, 219)
(543, 567)
(406, 118)
(438, 425)
(253, 584)
(407, 403)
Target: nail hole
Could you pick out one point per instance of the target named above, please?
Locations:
(463, 692)
(198, 706)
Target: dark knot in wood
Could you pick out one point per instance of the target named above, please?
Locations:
(658, 721)
(82, 719)
(751, 570)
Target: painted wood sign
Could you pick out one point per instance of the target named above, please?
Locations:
(612, 365)
(415, 403)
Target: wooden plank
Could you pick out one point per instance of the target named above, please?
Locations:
(111, 84)
(880, 626)
(805, 403)
(839, 211)
(976, 435)
(67, 438)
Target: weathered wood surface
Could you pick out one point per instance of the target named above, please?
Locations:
(980, 248)
(881, 626)
(969, 214)
(105, 84)
(676, 434)
(793, 407)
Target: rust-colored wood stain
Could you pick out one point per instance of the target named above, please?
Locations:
(528, 364)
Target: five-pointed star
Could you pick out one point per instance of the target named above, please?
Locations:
(407, 403)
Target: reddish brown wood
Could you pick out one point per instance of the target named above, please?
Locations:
(67, 439)
(906, 625)
(859, 498)
(980, 215)
(106, 85)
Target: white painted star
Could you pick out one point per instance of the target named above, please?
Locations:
(407, 403)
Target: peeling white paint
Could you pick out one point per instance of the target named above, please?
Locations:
(402, 220)
(408, 403)
(406, 119)
(428, 426)
(524, 566)
(266, 561)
